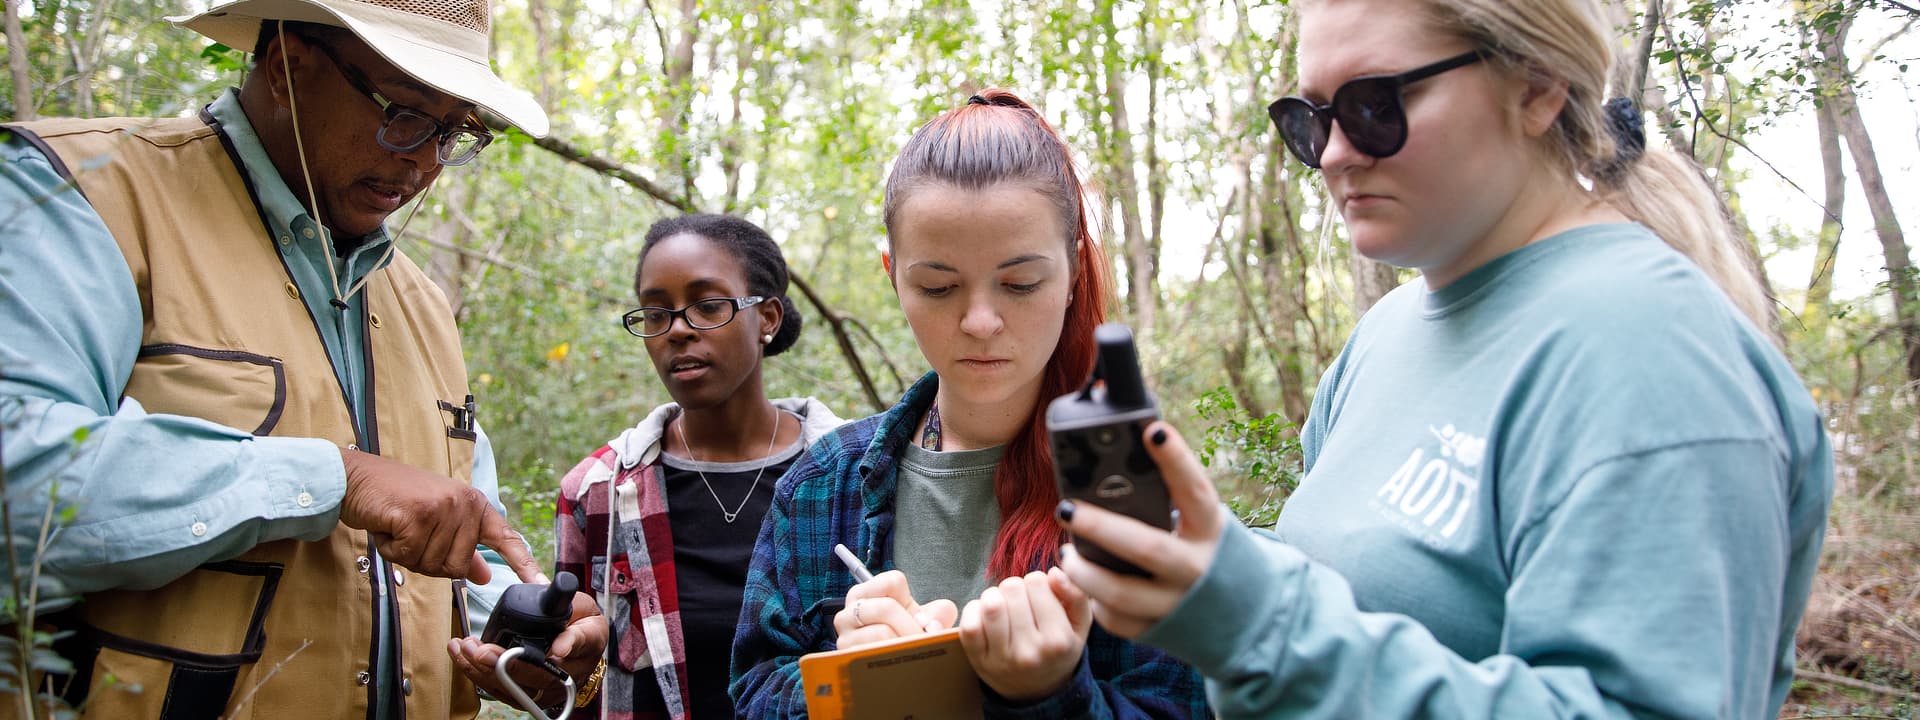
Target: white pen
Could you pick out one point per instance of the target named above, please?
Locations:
(859, 569)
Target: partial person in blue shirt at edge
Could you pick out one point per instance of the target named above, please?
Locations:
(948, 494)
(281, 446)
(1565, 473)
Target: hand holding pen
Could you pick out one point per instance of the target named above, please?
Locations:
(881, 607)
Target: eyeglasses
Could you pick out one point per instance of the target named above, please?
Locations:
(705, 314)
(406, 129)
(1369, 109)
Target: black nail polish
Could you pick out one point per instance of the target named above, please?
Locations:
(1160, 436)
(1064, 511)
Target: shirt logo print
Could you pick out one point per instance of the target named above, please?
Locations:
(1431, 496)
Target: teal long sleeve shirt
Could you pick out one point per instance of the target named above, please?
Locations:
(148, 497)
(1574, 483)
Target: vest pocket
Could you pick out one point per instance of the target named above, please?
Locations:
(169, 662)
(241, 390)
(461, 435)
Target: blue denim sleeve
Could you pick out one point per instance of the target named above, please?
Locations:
(131, 499)
(482, 599)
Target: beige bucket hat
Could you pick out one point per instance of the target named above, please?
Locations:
(442, 43)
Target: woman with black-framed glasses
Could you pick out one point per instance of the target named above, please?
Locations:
(663, 518)
(1564, 472)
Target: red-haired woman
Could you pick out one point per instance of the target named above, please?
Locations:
(989, 252)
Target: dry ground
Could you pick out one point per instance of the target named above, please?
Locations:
(1859, 644)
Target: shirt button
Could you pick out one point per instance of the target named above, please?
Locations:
(362, 678)
(199, 529)
(306, 233)
(398, 578)
(304, 499)
(364, 563)
(351, 446)
(293, 292)
(406, 687)
(286, 240)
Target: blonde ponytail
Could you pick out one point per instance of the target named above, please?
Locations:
(1657, 188)
(1667, 193)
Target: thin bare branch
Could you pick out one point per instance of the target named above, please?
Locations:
(1873, 51)
(1700, 116)
(1902, 7)
(616, 171)
(899, 380)
(838, 323)
(491, 259)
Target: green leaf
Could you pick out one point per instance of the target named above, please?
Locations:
(224, 58)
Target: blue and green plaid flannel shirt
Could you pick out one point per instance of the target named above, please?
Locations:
(841, 491)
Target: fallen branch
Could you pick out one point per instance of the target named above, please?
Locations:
(1844, 681)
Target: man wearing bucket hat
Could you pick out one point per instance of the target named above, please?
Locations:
(277, 464)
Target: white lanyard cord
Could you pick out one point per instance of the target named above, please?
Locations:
(313, 200)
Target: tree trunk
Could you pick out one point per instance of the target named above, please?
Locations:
(680, 92)
(1827, 247)
(1233, 358)
(17, 61)
(1125, 186)
(1630, 69)
(1156, 175)
(730, 143)
(1893, 243)
(447, 267)
(537, 15)
(1371, 281)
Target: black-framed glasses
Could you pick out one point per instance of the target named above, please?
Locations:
(406, 129)
(704, 314)
(1369, 109)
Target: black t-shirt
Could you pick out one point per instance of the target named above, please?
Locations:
(710, 558)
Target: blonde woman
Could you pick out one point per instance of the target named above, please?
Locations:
(1563, 474)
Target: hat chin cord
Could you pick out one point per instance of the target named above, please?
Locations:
(313, 200)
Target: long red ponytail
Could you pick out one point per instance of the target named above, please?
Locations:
(996, 138)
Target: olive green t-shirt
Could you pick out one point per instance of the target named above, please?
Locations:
(946, 517)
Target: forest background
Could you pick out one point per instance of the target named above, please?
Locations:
(1227, 259)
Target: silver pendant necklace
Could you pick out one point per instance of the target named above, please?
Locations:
(680, 427)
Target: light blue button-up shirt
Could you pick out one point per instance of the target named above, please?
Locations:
(148, 497)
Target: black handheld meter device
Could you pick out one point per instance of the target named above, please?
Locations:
(1098, 457)
(526, 622)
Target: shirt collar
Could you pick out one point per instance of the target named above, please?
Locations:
(283, 209)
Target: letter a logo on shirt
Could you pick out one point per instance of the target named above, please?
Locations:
(1431, 496)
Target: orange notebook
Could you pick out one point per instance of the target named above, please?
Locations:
(923, 677)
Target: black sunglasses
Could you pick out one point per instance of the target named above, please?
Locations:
(1369, 109)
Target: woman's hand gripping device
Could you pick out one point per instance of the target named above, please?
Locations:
(527, 620)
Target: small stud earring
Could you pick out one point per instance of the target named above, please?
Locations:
(766, 339)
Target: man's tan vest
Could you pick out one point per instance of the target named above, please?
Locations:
(286, 630)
